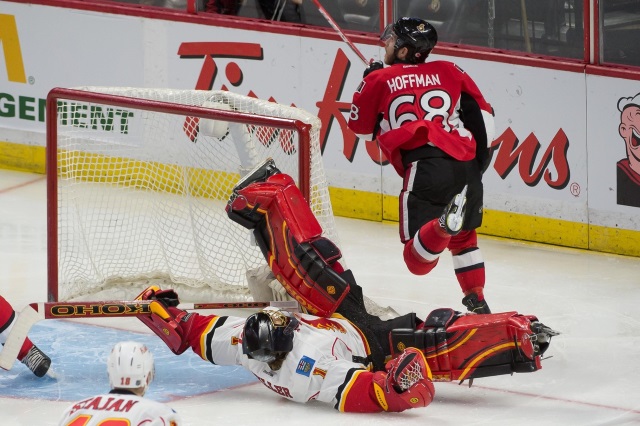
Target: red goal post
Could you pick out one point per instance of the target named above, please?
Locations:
(137, 181)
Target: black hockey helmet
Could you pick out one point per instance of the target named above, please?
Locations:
(268, 334)
(416, 34)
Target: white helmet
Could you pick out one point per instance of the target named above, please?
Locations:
(130, 366)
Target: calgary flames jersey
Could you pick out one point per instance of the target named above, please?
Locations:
(420, 104)
(119, 409)
(324, 365)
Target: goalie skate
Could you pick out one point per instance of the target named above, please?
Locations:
(260, 173)
(237, 205)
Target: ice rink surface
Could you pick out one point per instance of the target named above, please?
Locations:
(592, 375)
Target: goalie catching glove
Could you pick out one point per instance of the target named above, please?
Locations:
(406, 384)
(169, 323)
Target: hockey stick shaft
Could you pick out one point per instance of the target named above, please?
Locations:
(123, 308)
(342, 35)
(35, 312)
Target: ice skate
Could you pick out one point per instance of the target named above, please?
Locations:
(474, 305)
(37, 361)
(260, 173)
(453, 215)
(237, 205)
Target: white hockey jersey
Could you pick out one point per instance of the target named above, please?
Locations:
(119, 409)
(328, 354)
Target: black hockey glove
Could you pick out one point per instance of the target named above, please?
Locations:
(373, 66)
(168, 298)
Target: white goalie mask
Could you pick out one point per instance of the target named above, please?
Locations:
(130, 366)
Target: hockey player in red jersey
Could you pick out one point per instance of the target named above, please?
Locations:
(131, 370)
(333, 355)
(434, 126)
(30, 355)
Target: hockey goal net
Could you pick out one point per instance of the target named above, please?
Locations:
(138, 180)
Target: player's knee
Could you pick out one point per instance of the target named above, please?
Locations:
(416, 264)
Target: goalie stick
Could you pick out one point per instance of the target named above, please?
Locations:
(35, 312)
(342, 35)
(122, 308)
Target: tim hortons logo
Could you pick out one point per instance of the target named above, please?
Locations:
(508, 150)
(512, 153)
(208, 51)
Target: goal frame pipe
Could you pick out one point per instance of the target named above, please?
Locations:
(51, 157)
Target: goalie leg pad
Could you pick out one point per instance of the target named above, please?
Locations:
(471, 346)
(249, 207)
(329, 252)
(309, 278)
(281, 200)
(289, 237)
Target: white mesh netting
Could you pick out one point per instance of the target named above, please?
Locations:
(141, 194)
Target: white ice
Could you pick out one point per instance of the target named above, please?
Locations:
(591, 377)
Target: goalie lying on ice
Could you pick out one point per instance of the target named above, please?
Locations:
(304, 357)
(339, 355)
(300, 357)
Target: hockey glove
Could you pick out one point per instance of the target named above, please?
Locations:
(373, 66)
(169, 323)
(406, 384)
(168, 298)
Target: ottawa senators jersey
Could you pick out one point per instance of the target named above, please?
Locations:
(119, 409)
(420, 104)
(324, 365)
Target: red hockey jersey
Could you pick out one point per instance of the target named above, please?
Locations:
(416, 105)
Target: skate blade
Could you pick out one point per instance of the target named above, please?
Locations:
(251, 175)
(52, 374)
(454, 221)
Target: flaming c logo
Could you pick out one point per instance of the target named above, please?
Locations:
(11, 49)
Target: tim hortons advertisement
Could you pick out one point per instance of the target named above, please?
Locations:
(546, 156)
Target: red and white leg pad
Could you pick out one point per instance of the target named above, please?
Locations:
(466, 346)
(290, 238)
